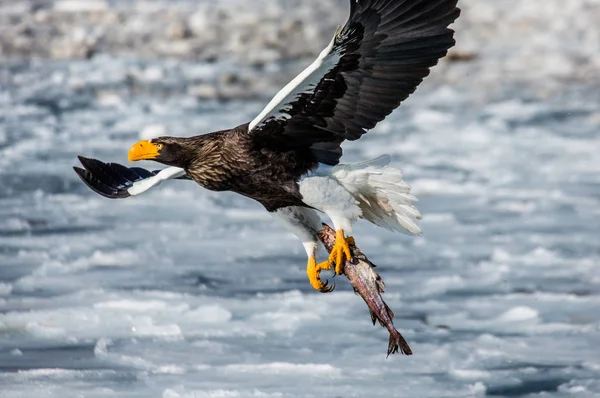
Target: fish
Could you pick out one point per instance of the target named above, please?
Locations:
(369, 285)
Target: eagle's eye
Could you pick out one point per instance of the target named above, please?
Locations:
(159, 146)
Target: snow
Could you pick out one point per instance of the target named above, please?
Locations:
(182, 292)
(80, 5)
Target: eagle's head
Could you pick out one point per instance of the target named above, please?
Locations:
(171, 151)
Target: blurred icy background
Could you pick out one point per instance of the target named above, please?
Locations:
(187, 293)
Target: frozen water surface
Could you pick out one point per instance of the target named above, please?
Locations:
(182, 292)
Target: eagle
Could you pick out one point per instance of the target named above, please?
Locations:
(288, 157)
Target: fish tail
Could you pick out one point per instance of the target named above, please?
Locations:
(397, 342)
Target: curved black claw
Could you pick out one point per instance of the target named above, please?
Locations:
(326, 288)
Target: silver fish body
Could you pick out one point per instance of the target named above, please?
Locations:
(368, 284)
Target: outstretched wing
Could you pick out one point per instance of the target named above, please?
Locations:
(373, 63)
(116, 181)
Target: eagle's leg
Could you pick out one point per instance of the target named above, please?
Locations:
(339, 254)
(304, 222)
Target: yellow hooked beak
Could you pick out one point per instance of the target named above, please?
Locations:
(144, 150)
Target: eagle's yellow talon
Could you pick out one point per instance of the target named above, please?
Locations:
(324, 266)
(314, 272)
(341, 251)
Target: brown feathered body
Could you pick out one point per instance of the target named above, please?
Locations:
(230, 160)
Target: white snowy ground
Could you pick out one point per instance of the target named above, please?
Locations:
(186, 293)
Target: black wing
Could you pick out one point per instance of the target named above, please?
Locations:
(112, 180)
(373, 63)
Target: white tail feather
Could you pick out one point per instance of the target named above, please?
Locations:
(382, 195)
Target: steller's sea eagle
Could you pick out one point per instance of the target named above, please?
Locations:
(287, 158)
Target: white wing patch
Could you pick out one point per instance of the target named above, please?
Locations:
(370, 190)
(383, 196)
(142, 186)
(304, 83)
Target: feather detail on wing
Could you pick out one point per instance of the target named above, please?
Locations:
(382, 195)
(370, 190)
(373, 63)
